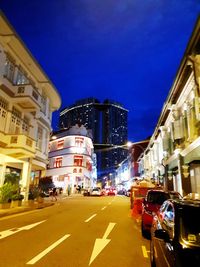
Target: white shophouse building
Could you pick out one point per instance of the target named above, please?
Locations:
(173, 154)
(72, 161)
(27, 100)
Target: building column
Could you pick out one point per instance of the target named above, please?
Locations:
(26, 176)
(2, 173)
(179, 175)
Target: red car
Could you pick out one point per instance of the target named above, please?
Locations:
(111, 192)
(151, 204)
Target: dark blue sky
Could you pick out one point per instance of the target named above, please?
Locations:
(125, 50)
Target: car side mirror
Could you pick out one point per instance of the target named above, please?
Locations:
(162, 234)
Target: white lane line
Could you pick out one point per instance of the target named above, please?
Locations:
(13, 231)
(144, 251)
(47, 250)
(90, 218)
(104, 208)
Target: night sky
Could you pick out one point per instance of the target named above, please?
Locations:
(125, 50)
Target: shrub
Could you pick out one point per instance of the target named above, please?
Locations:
(17, 197)
(6, 192)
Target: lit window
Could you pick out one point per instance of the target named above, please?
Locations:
(79, 141)
(21, 77)
(60, 144)
(88, 166)
(58, 162)
(78, 160)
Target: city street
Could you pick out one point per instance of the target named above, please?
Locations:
(75, 232)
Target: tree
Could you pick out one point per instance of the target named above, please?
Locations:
(46, 183)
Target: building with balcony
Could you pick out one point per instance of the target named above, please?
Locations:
(108, 122)
(173, 154)
(27, 100)
(72, 162)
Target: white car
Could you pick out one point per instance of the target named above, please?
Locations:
(96, 192)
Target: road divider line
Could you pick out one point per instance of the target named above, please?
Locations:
(104, 208)
(90, 218)
(144, 251)
(109, 203)
(47, 250)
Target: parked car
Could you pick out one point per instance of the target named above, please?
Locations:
(111, 192)
(151, 204)
(96, 191)
(175, 234)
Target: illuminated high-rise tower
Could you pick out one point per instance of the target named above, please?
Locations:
(108, 122)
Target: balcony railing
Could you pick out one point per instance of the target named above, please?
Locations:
(28, 96)
(21, 144)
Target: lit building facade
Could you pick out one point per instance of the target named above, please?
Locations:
(108, 122)
(27, 100)
(173, 154)
(72, 161)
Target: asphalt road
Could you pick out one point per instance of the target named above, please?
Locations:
(75, 232)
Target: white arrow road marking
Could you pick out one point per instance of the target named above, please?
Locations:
(12, 231)
(144, 251)
(47, 250)
(101, 243)
(90, 218)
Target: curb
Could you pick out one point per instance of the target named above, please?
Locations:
(11, 211)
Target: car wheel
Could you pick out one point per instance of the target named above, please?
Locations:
(152, 256)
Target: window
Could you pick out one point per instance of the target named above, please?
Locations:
(21, 77)
(43, 104)
(60, 144)
(3, 113)
(74, 170)
(25, 125)
(88, 166)
(78, 160)
(58, 162)
(39, 138)
(79, 141)
(15, 121)
(9, 69)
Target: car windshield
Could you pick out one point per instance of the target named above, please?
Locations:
(157, 197)
(95, 189)
(190, 225)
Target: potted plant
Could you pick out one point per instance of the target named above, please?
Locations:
(16, 200)
(5, 195)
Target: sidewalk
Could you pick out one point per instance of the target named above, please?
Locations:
(25, 207)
